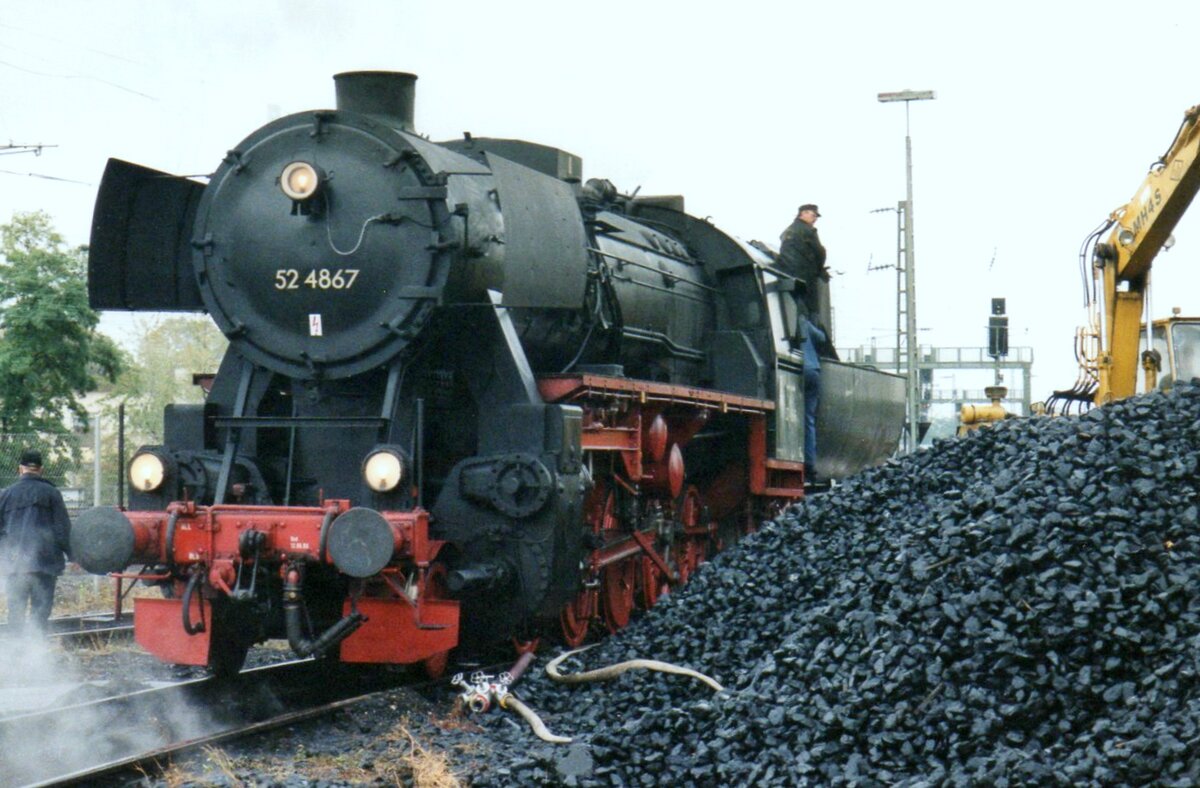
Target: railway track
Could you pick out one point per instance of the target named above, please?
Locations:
(87, 741)
(86, 628)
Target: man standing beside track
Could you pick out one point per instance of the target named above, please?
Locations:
(34, 538)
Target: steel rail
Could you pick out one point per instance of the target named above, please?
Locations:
(97, 620)
(87, 627)
(155, 756)
(85, 740)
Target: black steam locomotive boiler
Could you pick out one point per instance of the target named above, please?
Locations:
(466, 394)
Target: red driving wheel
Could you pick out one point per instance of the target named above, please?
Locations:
(601, 514)
(575, 617)
(617, 587)
(691, 547)
(691, 556)
(653, 583)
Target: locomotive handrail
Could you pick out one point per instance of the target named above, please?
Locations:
(299, 421)
(659, 288)
(643, 266)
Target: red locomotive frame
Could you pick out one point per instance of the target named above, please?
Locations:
(633, 431)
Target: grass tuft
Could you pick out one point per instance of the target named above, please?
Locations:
(429, 769)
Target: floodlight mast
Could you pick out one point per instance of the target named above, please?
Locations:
(910, 283)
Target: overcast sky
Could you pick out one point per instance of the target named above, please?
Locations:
(1046, 119)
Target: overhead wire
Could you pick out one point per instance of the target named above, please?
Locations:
(72, 44)
(46, 177)
(88, 77)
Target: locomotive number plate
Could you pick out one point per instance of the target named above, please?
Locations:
(315, 278)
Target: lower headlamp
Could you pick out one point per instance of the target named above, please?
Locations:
(384, 469)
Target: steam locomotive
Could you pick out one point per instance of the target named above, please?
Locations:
(467, 397)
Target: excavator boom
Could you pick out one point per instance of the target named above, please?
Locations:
(1122, 262)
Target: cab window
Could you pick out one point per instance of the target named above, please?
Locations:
(1186, 339)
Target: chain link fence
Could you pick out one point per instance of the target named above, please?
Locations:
(67, 460)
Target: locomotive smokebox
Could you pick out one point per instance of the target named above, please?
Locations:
(386, 94)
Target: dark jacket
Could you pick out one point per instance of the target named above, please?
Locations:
(34, 528)
(801, 254)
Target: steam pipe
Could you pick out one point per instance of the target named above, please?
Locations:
(419, 451)
(520, 666)
(293, 616)
(483, 576)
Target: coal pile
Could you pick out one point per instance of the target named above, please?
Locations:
(1019, 606)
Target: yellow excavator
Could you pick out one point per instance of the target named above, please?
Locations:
(1122, 250)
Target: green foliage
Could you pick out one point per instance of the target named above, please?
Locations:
(169, 352)
(50, 352)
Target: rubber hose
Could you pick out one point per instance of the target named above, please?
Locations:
(193, 581)
(535, 722)
(612, 671)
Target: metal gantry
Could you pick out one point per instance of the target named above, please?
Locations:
(951, 359)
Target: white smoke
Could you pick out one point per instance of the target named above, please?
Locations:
(38, 677)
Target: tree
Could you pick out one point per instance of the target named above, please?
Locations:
(170, 350)
(50, 351)
(159, 372)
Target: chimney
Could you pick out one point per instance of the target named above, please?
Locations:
(388, 95)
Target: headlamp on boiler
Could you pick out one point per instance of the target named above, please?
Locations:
(300, 181)
(147, 471)
(384, 469)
